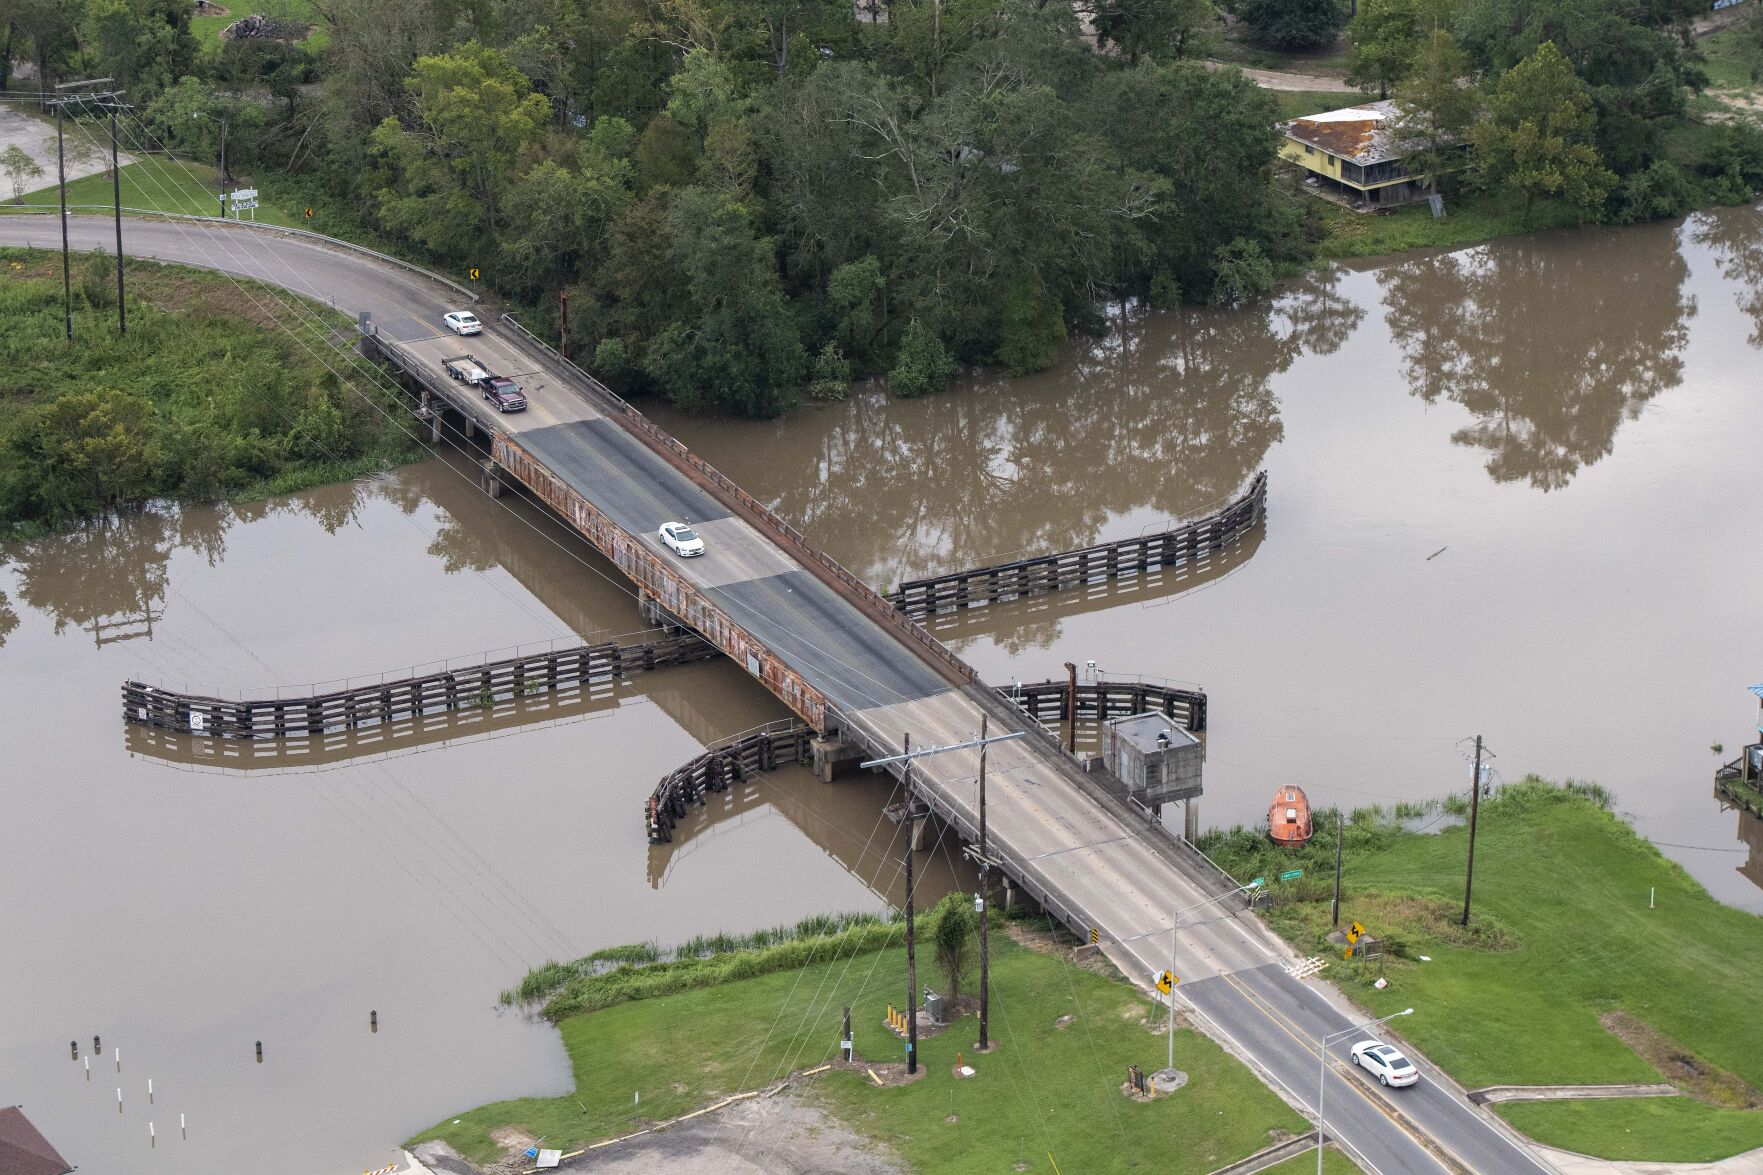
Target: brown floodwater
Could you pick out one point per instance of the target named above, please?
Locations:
(1511, 493)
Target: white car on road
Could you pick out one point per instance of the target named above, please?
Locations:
(1385, 1062)
(462, 322)
(681, 539)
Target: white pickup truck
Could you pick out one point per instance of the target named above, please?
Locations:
(466, 369)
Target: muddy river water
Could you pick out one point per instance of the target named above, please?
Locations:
(1512, 492)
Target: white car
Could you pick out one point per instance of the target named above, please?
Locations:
(462, 322)
(1385, 1062)
(682, 539)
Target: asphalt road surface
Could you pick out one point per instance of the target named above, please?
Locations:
(1045, 817)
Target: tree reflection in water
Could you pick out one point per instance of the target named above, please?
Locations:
(1551, 342)
(1166, 416)
(1735, 236)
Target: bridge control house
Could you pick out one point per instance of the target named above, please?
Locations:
(1157, 759)
(1351, 156)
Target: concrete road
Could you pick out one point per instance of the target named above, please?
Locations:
(1047, 818)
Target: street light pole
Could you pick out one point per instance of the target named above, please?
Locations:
(911, 947)
(985, 900)
(1322, 1075)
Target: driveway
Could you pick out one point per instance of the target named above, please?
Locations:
(35, 135)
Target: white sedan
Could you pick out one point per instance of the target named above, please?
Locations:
(681, 539)
(1385, 1062)
(462, 322)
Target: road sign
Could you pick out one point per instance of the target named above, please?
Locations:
(1258, 883)
(243, 200)
(1165, 981)
(1291, 875)
(1095, 936)
(1355, 932)
(474, 273)
(309, 214)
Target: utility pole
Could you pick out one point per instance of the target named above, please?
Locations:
(911, 808)
(563, 294)
(61, 178)
(985, 900)
(61, 182)
(122, 314)
(1334, 916)
(1474, 808)
(911, 948)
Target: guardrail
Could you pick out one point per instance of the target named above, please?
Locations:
(879, 606)
(1095, 701)
(229, 222)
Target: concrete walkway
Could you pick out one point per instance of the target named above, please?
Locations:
(1569, 1163)
(35, 136)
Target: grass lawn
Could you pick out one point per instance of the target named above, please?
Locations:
(1326, 62)
(1562, 935)
(1333, 1163)
(159, 185)
(1468, 220)
(1729, 65)
(1299, 103)
(1047, 1088)
(1659, 1129)
(207, 29)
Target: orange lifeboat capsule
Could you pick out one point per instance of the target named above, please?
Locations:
(1288, 817)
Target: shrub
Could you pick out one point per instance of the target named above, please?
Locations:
(922, 364)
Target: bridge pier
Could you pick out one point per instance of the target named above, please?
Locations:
(491, 478)
(427, 414)
(833, 757)
(470, 428)
(921, 833)
(1190, 820)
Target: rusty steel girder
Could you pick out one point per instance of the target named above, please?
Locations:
(677, 595)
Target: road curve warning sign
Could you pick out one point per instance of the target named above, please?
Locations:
(1166, 981)
(474, 273)
(309, 214)
(1355, 932)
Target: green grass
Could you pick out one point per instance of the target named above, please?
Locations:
(1327, 62)
(1299, 103)
(1469, 219)
(1045, 1090)
(1729, 64)
(159, 185)
(207, 29)
(1333, 1163)
(1674, 1130)
(1563, 933)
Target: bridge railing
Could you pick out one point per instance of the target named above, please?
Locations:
(881, 608)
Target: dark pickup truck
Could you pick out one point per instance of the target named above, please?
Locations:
(504, 393)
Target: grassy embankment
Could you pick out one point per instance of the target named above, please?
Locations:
(161, 185)
(214, 392)
(1052, 1086)
(207, 29)
(1735, 77)
(1562, 953)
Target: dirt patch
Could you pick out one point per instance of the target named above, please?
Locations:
(1705, 1082)
(1058, 943)
(1064, 1022)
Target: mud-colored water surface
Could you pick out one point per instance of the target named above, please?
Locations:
(1512, 493)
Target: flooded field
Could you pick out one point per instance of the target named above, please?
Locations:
(1511, 493)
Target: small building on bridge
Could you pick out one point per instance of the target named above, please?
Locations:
(1157, 759)
(24, 1150)
(1352, 156)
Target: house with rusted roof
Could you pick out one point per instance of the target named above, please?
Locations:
(1352, 156)
(24, 1151)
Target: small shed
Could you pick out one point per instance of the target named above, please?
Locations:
(1154, 755)
(24, 1151)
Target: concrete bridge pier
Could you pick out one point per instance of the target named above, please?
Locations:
(833, 757)
(427, 414)
(470, 428)
(1190, 812)
(923, 835)
(491, 478)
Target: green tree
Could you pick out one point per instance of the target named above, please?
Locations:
(1292, 24)
(735, 344)
(447, 175)
(1539, 136)
(144, 45)
(1031, 328)
(83, 452)
(20, 170)
(1163, 29)
(953, 937)
(922, 364)
(1438, 110)
(1386, 36)
(856, 294)
(1244, 274)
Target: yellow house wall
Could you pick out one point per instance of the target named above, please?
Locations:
(1322, 163)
